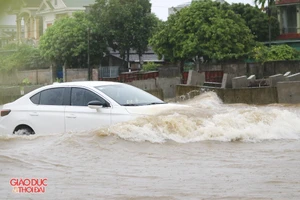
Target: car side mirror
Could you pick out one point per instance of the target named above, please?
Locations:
(96, 104)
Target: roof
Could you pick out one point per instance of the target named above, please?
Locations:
(78, 3)
(4, 35)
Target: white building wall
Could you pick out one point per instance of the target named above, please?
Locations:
(47, 20)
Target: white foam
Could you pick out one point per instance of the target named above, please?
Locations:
(209, 119)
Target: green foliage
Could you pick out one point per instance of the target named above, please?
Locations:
(125, 24)
(26, 81)
(66, 41)
(21, 57)
(275, 53)
(150, 66)
(58, 80)
(257, 21)
(204, 29)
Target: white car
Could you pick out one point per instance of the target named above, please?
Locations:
(76, 106)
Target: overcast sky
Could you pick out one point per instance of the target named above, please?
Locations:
(160, 7)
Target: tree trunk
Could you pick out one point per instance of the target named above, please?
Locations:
(128, 61)
(181, 68)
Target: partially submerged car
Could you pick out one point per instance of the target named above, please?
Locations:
(76, 106)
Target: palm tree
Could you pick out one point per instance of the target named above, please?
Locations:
(262, 3)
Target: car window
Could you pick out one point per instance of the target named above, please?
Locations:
(52, 96)
(81, 97)
(128, 95)
(36, 98)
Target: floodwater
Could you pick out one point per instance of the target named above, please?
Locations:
(207, 151)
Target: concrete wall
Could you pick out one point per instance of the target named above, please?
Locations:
(43, 76)
(288, 92)
(76, 75)
(168, 85)
(79, 74)
(258, 96)
(195, 78)
(40, 76)
(149, 84)
(8, 94)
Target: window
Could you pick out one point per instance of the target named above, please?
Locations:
(81, 97)
(36, 98)
(52, 97)
(128, 95)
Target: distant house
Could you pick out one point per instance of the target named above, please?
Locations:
(54, 9)
(289, 22)
(115, 59)
(8, 29)
(38, 15)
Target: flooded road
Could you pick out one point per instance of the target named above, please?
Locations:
(210, 151)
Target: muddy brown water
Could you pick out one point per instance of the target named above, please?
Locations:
(207, 151)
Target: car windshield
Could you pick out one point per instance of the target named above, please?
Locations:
(127, 95)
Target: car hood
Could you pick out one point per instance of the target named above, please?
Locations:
(153, 109)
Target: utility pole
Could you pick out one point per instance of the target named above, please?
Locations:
(87, 11)
(269, 15)
(88, 56)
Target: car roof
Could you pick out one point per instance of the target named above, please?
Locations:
(87, 83)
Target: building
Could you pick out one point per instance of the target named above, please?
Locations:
(8, 29)
(134, 63)
(289, 18)
(38, 15)
(51, 10)
(289, 22)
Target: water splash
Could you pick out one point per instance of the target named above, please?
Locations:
(207, 118)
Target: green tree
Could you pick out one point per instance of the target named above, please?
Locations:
(204, 29)
(125, 24)
(263, 53)
(21, 57)
(66, 41)
(257, 21)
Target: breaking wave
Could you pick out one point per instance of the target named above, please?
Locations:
(207, 118)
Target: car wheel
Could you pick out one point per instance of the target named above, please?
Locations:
(23, 130)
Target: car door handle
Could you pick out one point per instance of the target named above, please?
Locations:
(71, 116)
(34, 114)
